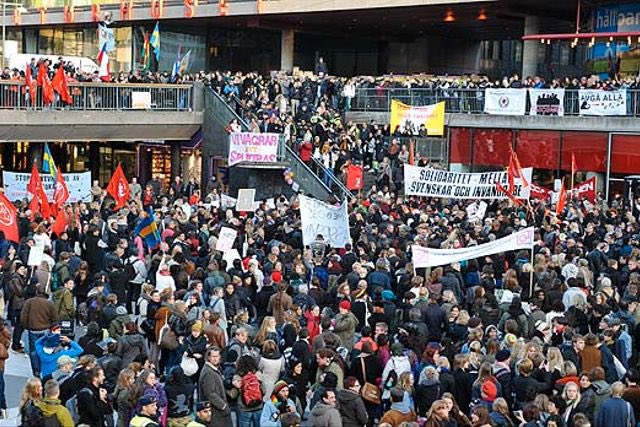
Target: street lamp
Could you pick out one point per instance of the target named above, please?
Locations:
(20, 8)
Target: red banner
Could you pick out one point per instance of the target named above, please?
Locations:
(354, 177)
(586, 190)
(539, 193)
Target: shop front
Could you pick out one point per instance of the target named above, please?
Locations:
(608, 156)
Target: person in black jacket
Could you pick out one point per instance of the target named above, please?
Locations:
(526, 387)
(462, 392)
(93, 401)
(179, 390)
(111, 363)
(352, 408)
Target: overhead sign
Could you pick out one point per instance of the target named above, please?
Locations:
(332, 222)
(430, 182)
(79, 185)
(546, 102)
(427, 257)
(507, 102)
(595, 102)
(410, 118)
(253, 147)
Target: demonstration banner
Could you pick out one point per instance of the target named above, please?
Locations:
(585, 190)
(595, 102)
(507, 102)
(79, 185)
(332, 222)
(427, 257)
(253, 147)
(538, 192)
(411, 118)
(458, 185)
(546, 102)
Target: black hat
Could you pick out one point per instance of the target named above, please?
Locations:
(201, 406)
(503, 355)
(147, 400)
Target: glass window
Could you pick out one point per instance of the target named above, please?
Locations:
(590, 149)
(460, 146)
(491, 148)
(625, 156)
(538, 149)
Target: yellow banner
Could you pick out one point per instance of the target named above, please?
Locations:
(412, 118)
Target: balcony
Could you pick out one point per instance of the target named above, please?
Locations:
(102, 112)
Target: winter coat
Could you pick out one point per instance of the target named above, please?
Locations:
(526, 388)
(399, 364)
(323, 415)
(130, 346)
(211, 388)
(179, 391)
(352, 409)
(278, 304)
(50, 407)
(602, 391)
(271, 367)
(49, 361)
(5, 342)
(270, 416)
(63, 302)
(121, 399)
(336, 369)
(38, 314)
(399, 413)
(111, 364)
(345, 328)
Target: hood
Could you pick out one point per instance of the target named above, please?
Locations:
(498, 418)
(273, 356)
(58, 292)
(49, 407)
(346, 396)
(321, 409)
(429, 381)
(93, 329)
(601, 387)
(402, 407)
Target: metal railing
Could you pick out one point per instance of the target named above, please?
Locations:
(458, 100)
(101, 96)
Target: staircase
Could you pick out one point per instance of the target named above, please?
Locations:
(223, 111)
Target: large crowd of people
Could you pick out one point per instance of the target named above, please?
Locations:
(181, 335)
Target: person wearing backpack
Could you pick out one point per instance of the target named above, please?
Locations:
(63, 300)
(60, 272)
(251, 398)
(54, 413)
(398, 364)
(30, 414)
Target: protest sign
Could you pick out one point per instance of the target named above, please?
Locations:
(430, 182)
(246, 197)
(230, 256)
(507, 102)
(79, 185)
(428, 257)
(476, 211)
(226, 237)
(594, 102)
(36, 255)
(227, 201)
(253, 147)
(320, 218)
(410, 118)
(546, 102)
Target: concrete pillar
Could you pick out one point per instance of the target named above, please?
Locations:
(287, 40)
(176, 154)
(530, 48)
(94, 160)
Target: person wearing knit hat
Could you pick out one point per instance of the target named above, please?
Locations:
(197, 326)
(503, 355)
(278, 404)
(489, 391)
(346, 324)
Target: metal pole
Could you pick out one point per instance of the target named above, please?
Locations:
(609, 146)
(4, 34)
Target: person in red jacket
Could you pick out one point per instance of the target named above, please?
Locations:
(306, 148)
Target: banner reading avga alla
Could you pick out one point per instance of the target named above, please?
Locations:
(410, 118)
(509, 102)
(427, 257)
(253, 147)
(332, 222)
(595, 102)
(546, 102)
(79, 185)
(458, 185)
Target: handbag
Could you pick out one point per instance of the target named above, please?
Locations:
(167, 339)
(369, 392)
(189, 365)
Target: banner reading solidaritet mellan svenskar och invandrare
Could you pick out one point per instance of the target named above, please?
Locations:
(410, 118)
(332, 222)
(430, 182)
(427, 257)
(253, 147)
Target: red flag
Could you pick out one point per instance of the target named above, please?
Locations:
(586, 190)
(60, 223)
(36, 188)
(412, 159)
(539, 193)
(61, 192)
(354, 177)
(574, 166)
(60, 84)
(41, 72)
(47, 90)
(515, 171)
(562, 199)
(510, 195)
(8, 220)
(31, 84)
(119, 187)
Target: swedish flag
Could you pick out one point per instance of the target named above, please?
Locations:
(148, 230)
(155, 41)
(48, 165)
